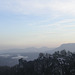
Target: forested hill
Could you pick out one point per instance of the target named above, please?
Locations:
(59, 63)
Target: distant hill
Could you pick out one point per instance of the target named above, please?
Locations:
(10, 57)
(26, 50)
(67, 47)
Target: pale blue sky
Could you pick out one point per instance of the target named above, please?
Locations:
(36, 23)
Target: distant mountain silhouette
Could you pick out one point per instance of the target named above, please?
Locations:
(10, 57)
(67, 47)
(26, 50)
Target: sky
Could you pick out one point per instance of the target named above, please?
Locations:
(36, 23)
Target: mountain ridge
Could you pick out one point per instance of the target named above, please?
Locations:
(66, 46)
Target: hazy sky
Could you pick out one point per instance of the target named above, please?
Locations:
(37, 23)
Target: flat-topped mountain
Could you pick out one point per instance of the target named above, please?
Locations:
(67, 47)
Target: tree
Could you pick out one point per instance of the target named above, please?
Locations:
(63, 52)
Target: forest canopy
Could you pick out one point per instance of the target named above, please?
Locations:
(58, 63)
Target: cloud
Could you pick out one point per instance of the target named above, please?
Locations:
(61, 26)
(19, 57)
(5, 56)
(61, 23)
(39, 6)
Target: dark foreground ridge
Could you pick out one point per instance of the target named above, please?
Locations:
(59, 63)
